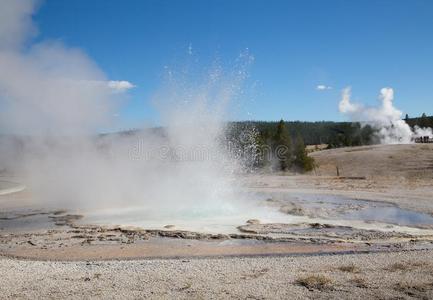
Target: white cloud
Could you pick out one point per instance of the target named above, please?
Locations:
(120, 85)
(322, 87)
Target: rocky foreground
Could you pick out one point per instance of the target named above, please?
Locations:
(396, 175)
(396, 275)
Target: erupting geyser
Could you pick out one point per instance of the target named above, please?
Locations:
(386, 118)
(54, 99)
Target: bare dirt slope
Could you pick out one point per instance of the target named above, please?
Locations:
(399, 174)
(408, 161)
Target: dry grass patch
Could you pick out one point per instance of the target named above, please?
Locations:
(359, 282)
(423, 290)
(186, 287)
(255, 274)
(349, 268)
(407, 266)
(315, 282)
(398, 267)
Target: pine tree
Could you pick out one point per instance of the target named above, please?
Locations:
(282, 147)
(301, 160)
(263, 151)
(424, 121)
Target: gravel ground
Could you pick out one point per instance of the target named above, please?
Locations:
(403, 275)
(393, 275)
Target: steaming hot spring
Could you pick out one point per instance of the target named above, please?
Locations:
(189, 174)
(183, 177)
(187, 178)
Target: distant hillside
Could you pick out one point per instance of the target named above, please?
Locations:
(398, 161)
(423, 121)
(336, 134)
(313, 133)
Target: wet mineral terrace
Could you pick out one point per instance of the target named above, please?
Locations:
(281, 224)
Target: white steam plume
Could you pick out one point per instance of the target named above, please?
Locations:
(58, 98)
(47, 87)
(386, 118)
(16, 25)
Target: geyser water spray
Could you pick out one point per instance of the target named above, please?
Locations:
(53, 100)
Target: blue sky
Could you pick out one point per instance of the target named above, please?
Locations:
(297, 45)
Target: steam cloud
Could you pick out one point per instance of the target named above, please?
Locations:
(386, 118)
(54, 98)
(47, 86)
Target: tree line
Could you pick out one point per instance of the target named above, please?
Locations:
(270, 145)
(293, 136)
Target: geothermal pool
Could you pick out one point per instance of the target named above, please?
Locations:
(226, 217)
(9, 187)
(345, 208)
(266, 208)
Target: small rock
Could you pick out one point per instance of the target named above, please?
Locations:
(253, 221)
